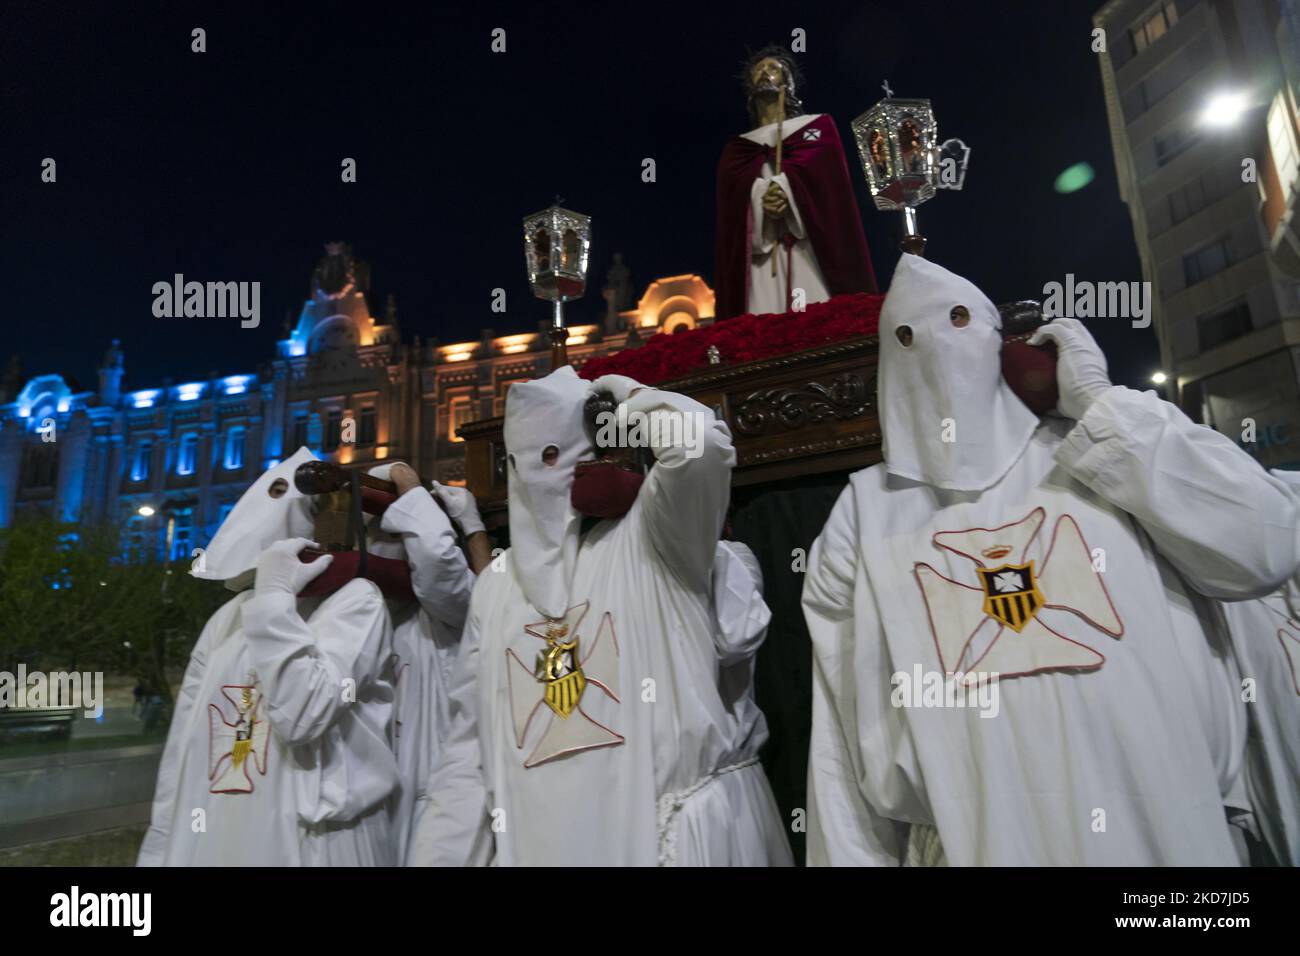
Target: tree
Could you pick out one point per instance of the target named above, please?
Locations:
(70, 601)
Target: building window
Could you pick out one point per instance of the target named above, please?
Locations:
(368, 426)
(140, 463)
(1206, 261)
(185, 456)
(1224, 325)
(1282, 144)
(39, 466)
(461, 413)
(503, 393)
(134, 539)
(234, 457)
(299, 431)
(182, 533)
(1186, 202)
(333, 429)
(1174, 144)
(1154, 25)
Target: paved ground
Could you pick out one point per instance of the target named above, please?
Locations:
(106, 848)
(120, 722)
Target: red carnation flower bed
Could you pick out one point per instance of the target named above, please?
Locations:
(746, 338)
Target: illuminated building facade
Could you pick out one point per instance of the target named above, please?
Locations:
(342, 382)
(1202, 99)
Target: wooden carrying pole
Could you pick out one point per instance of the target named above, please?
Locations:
(559, 336)
(780, 142)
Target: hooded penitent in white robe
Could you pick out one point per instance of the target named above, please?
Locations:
(278, 752)
(426, 635)
(1266, 637)
(770, 293)
(1072, 559)
(621, 754)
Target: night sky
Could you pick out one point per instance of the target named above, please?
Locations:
(225, 166)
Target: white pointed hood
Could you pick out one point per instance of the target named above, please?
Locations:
(543, 524)
(257, 521)
(946, 415)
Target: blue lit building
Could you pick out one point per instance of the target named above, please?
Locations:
(169, 460)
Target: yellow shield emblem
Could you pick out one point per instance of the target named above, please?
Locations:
(557, 667)
(1011, 594)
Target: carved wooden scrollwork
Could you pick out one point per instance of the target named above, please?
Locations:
(848, 396)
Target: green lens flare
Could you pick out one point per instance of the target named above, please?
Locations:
(1074, 178)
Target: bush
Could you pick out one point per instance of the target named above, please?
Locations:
(68, 601)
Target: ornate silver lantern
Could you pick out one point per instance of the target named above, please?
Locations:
(557, 243)
(903, 160)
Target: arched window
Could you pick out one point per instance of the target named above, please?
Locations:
(234, 456)
(185, 455)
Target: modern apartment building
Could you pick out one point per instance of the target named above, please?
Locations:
(1202, 100)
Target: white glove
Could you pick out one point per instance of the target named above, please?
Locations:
(620, 387)
(1080, 365)
(278, 569)
(461, 507)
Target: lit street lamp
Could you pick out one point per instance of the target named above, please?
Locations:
(1224, 109)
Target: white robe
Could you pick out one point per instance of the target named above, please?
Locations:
(312, 789)
(743, 617)
(642, 771)
(770, 293)
(426, 637)
(1131, 758)
(1266, 638)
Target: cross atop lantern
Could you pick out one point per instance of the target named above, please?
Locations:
(557, 242)
(903, 160)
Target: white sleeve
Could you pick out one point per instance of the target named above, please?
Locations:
(1223, 521)
(440, 575)
(302, 664)
(742, 614)
(684, 498)
(451, 815)
(843, 828)
(154, 848)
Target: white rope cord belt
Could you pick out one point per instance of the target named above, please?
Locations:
(671, 803)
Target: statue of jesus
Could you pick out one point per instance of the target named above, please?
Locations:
(787, 217)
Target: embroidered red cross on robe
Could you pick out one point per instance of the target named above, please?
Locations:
(1028, 598)
(237, 746)
(565, 675)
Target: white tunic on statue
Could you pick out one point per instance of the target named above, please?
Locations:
(426, 637)
(313, 786)
(1128, 514)
(770, 293)
(644, 771)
